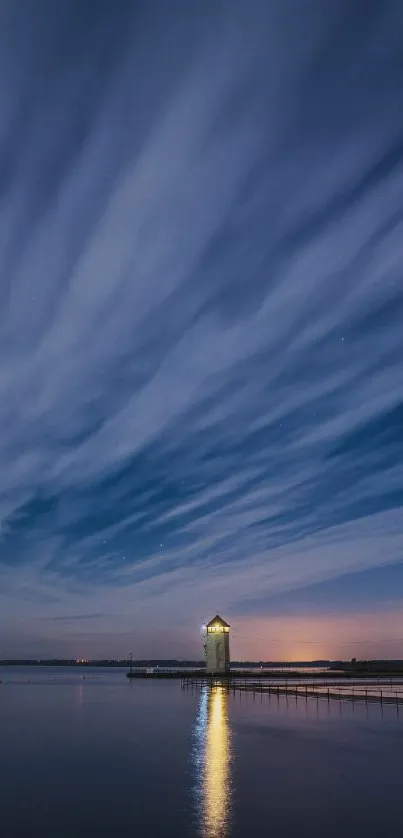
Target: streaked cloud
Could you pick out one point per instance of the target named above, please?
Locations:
(200, 313)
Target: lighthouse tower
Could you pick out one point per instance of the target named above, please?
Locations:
(217, 646)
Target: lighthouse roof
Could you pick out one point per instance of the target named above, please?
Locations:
(218, 621)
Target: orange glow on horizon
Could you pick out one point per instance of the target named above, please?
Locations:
(297, 638)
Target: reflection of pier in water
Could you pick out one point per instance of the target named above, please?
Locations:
(212, 761)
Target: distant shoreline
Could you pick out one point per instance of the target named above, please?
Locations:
(177, 664)
(174, 668)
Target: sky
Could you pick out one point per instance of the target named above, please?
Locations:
(201, 342)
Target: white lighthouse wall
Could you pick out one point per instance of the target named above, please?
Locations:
(217, 652)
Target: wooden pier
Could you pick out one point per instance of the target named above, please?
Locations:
(381, 691)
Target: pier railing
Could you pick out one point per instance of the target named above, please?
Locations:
(388, 691)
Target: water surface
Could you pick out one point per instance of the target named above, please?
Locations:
(87, 752)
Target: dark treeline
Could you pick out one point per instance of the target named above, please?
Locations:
(172, 662)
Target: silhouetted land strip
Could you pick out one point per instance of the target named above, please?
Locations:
(375, 667)
(172, 668)
(155, 663)
(123, 663)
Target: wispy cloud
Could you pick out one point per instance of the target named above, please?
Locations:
(200, 316)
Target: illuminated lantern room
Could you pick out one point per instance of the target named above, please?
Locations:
(217, 645)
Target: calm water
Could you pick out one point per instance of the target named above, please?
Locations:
(100, 755)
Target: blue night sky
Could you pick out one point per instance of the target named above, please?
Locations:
(201, 342)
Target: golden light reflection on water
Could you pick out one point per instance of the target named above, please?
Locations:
(213, 762)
